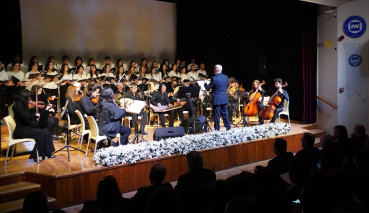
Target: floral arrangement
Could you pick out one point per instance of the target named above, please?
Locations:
(131, 153)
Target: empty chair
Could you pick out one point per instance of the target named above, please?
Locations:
(83, 131)
(285, 112)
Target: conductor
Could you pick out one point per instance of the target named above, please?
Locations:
(218, 86)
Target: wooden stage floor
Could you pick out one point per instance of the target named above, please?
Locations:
(72, 182)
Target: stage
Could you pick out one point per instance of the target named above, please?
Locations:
(76, 181)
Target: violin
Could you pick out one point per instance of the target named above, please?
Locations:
(267, 112)
(52, 98)
(78, 98)
(95, 100)
(251, 108)
(39, 104)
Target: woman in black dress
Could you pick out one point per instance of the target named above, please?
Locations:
(28, 124)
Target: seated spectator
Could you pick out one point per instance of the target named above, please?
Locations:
(342, 141)
(309, 153)
(157, 175)
(283, 159)
(327, 142)
(108, 197)
(358, 136)
(196, 176)
(35, 202)
(163, 200)
(240, 205)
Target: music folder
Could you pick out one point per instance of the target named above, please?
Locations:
(33, 75)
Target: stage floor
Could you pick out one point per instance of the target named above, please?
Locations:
(60, 166)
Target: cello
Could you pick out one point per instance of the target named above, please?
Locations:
(267, 112)
(251, 108)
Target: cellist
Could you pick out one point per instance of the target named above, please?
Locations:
(257, 86)
(281, 93)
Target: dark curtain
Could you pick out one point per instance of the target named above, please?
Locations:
(10, 30)
(251, 40)
(309, 50)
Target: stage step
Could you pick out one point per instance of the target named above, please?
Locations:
(16, 205)
(317, 132)
(17, 190)
(309, 126)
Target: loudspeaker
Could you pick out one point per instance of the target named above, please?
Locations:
(200, 124)
(168, 132)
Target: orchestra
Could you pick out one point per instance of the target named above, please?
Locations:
(157, 86)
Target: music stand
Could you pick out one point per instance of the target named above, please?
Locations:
(246, 99)
(68, 135)
(191, 94)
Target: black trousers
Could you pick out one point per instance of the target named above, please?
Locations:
(143, 114)
(171, 118)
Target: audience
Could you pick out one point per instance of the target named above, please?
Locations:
(35, 202)
(108, 197)
(309, 153)
(196, 175)
(283, 158)
(157, 175)
(331, 179)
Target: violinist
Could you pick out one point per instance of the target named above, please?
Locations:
(29, 125)
(109, 116)
(281, 93)
(71, 96)
(87, 105)
(257, 86)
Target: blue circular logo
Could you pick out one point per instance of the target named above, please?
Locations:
(354, 26)
(354, 60)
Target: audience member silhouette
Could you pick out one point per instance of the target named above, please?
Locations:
(163, 200)
(358, 137)
(309, 153)
(35, 202)
(156, 177)
(108, 197)
(283, 159)
(196, 175)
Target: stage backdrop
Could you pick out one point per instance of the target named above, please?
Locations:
(93, 28)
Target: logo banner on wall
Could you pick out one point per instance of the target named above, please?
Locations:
(357, 76)
(354, 26)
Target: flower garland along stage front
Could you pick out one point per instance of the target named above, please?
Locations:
(131, 153)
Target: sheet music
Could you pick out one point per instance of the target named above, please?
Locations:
(132, 106)
(136, 107)
(202, 83)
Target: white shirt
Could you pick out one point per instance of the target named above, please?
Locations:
(4, 76)
(173, 73)
(183, 76)
(193, 75)
(202, 72)
(77, 77)
(19, 75)
(189, 66)
(156, 77)
(29, 85)
(50, 85)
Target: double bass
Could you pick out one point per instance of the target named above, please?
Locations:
(267, 112)
(251, 108)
